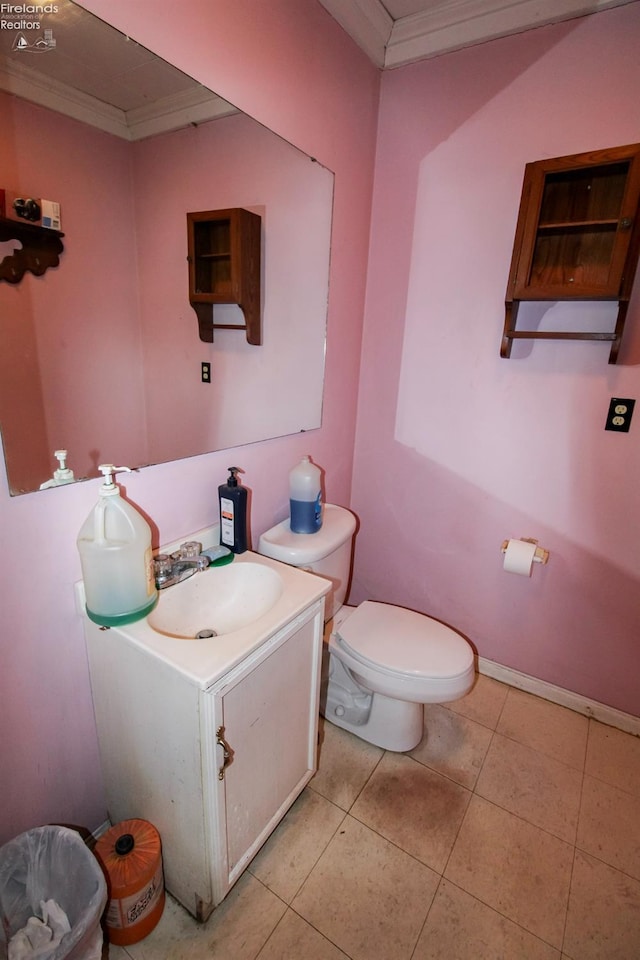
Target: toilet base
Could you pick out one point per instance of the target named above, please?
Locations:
(396, 725)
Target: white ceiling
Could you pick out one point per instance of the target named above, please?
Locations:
(396, 32)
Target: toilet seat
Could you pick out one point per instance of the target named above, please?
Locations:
(400, 641)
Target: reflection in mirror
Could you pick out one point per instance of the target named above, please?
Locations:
(101, 354)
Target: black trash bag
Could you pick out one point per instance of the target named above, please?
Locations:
(52, 863)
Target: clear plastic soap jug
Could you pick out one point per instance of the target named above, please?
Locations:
(115, 553)
(305, 497)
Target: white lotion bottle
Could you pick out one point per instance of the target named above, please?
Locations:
(116, 557)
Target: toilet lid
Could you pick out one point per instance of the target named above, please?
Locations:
(404, 641)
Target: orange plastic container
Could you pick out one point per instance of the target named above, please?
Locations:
(131, 856)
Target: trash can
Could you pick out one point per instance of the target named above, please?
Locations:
(49, 873)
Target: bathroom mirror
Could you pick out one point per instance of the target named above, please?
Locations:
(101, 355)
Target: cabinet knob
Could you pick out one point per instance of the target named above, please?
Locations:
(625, 223)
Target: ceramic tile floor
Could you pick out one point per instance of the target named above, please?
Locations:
(512, 832)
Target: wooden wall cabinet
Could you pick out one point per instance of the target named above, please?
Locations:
(41, 249)
(224, 254)
(577, 238)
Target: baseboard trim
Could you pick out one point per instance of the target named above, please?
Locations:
(104, 826)
(565, 698)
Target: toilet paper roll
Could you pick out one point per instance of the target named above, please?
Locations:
(518, 557)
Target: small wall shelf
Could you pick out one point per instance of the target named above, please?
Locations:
(577, 238)
(224, 267)
(41, 249)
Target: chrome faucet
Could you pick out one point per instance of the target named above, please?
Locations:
(173, 568)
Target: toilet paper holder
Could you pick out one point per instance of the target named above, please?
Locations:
(540, 556)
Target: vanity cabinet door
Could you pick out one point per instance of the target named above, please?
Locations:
(264, 718)
(148, 723)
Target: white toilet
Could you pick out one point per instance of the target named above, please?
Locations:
(384, 662)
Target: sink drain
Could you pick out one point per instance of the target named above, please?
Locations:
(205, 634)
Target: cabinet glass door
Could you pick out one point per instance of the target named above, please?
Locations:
(577, 238)
(578, 230)
(212, 257)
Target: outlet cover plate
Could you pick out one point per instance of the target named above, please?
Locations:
(619, 415)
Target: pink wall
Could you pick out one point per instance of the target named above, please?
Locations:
(83, 312)
(290, 66)
(482, 448)
(231, 162)
(458, 449)
(19, 339)
(121, 300)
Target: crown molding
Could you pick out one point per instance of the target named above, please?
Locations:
(190, 107)
(367, 22)
(449, 25)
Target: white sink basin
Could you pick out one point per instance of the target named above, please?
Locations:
(216, 601)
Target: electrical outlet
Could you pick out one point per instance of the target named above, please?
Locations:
(205, 373)
(619, 415)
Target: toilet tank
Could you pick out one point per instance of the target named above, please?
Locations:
(327, 552)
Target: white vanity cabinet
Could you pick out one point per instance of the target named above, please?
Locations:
(214, 762)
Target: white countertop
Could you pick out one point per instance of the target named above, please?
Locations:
(206, 661)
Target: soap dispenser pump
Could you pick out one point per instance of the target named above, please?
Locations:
(233, 513)
(62, 475)
(115, 553)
